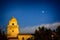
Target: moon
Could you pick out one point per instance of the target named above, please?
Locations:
(43, 11)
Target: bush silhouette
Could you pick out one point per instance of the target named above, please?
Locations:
(2, 35)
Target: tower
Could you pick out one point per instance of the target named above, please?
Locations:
(12, 28)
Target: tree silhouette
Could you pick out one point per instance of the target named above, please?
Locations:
(58, 32)
(47, 34)
(43, 34)
(2, 35)
(39, 33)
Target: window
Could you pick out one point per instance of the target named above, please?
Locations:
(12, 23)
(12, 30)
(22, 38)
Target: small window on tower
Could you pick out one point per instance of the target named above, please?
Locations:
(22, 38)
(12, 23)
(12, 30)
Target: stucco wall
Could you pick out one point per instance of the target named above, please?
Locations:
(25, 37)
(12, 39)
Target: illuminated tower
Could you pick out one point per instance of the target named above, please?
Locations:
(12, 28)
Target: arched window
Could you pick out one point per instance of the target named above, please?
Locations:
(12, 30)
(28, 39)
(22, 38)
(12, 23)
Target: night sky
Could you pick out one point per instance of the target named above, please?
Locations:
(29, 12)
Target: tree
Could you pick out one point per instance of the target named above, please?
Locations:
(42, 34)
(58, 30)
(2, 35)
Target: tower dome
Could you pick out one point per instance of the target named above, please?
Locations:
(12, 28)
(13, 21)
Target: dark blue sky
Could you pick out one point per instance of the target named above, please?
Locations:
(30, 13)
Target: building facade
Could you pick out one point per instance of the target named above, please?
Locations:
(13, 31)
